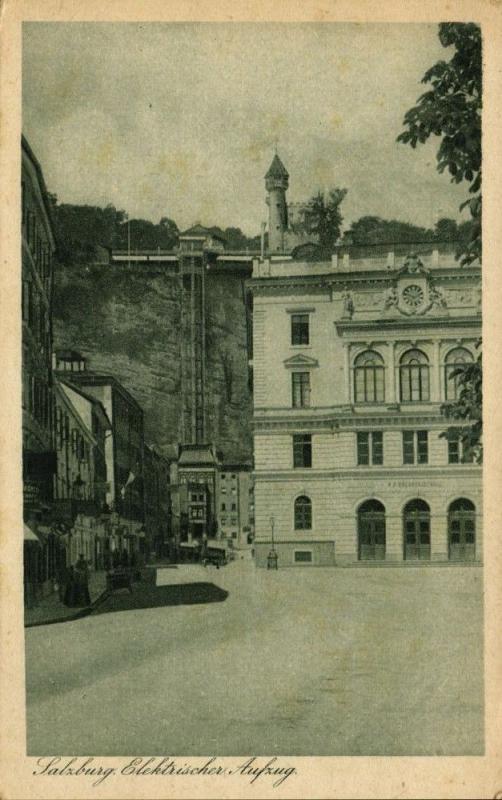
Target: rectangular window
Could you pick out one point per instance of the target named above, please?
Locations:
(456, 452)
(422, 447)
(223, 507)
(303, 557)
(377, 447)
(299, 329)
(415, 447)
(369, 448)
(25, 300)
(363, 448)
(234, 507)
(301, 389)
(302, 450)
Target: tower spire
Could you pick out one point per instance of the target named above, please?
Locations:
(276, 184)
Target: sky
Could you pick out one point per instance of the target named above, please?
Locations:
(181, 120)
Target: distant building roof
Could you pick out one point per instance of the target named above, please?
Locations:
(98, 405)
(69, 355)
(277, 169)
(196, 455)
(43, 188)
(200, 230)
(89, 378)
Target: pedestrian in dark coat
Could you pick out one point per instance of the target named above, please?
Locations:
(82, 596)
(69, 593)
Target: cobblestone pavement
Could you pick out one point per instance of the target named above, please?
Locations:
(295, 662)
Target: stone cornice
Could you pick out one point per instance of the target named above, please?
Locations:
(348, 421)
(432, 473)
(395, 323)
(330, 280)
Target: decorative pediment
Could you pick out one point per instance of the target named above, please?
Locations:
(300, 360)
(413, 265)
(413, 293)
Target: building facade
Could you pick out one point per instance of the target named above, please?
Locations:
(158, 527)
(41, 552)
(195, 476)
(123, 450)
(80, 484)
(352, 361)
(235, 504)
(38, 252)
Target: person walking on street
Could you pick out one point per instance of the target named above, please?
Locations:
(83, 597)
(70, 586)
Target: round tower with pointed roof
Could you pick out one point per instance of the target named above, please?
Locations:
(276, 184)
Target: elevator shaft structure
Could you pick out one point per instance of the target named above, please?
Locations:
(198, 248)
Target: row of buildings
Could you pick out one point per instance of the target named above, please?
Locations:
(91, 484)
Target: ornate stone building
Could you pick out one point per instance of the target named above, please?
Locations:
(352, 360)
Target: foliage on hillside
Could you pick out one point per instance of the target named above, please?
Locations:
(374, 230)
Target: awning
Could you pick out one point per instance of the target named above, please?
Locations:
(30, 536)
(47, 530)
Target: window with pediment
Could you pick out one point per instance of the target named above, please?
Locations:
(414, 377)
(369, 378)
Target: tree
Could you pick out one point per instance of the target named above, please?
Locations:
(446, 230)
(145, 235)
(81, 229)
(467, 410)
(374, 230)
(451, 110)
(323, 217)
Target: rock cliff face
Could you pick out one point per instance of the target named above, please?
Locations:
(126, 321)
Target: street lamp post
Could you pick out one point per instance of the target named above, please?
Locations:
(272, 556)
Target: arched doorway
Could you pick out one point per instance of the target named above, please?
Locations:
(417, 530)
(462, 530)
(371, 531)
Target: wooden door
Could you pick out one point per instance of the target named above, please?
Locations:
(462, 536)
(417, 534)
(371, 536)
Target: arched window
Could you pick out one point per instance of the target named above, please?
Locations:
(369, 378)
(462, 530)
(303, 513)
(371, 531)
(414, 376)
(456, 358)
(417, 530)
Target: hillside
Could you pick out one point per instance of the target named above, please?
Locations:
(127, 322)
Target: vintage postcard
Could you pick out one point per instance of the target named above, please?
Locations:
(249, 505)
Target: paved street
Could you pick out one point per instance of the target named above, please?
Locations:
(302, 661)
